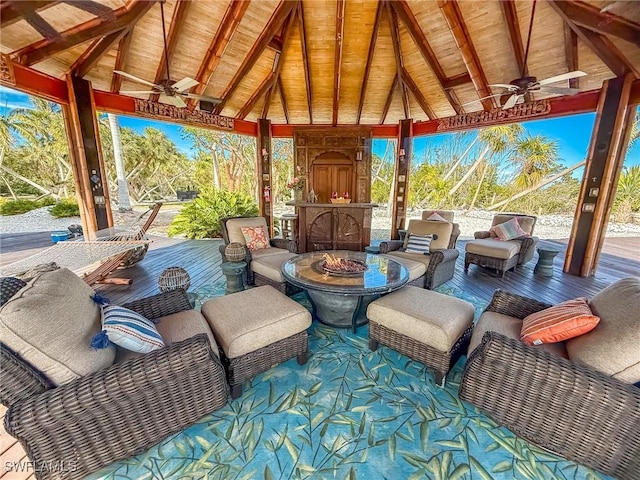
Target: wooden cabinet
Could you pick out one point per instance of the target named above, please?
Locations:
(332, 175)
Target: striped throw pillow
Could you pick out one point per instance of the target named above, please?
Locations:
(127, 329)
(508, 230)
(418, 243)
(558, 323)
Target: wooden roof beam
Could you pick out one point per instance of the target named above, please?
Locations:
(415, 91)
(367, 68)
(90, 30)
(121, 61)
(387, 104)
(278, 61)
(413, 27)
(337, 58)
(395, 40)
(273, 26)
(305, 61)
(511, 19)
(246, 109)
(283, 100)
(13, 11)
(232, 17)
(177, 22)
(91, 55)
(452, 14)
(604, 23)
(571, 54)
(38, 23)
(94, 8)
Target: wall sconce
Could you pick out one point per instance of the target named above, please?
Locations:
(265, 155)
(359, 156)
(401, 156)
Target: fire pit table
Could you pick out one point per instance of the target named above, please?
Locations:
(341, 283)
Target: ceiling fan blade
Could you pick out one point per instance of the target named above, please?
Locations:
(511, 101)
(185, 84)
(174, 100)
(483, 98)
(202, 97)
(560, 78)
(559, 90)
(135, 79)
(508, 86)
(138, 92)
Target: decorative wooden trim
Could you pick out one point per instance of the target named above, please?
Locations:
(387, 104)
(278, 61)
(571, 53)
(162, 111)
(246, 109)
(397, 52)
(177, 22)
(35, 83)
(283, 100)
(97, 49)
(367, 68)
(452, 14)
(305, 61)
(230, 21)
(7, 77)
(273, 25)
(337, 58)
(401, 178)
(121, 61)
(89, 30)
(265, 174)
(9, 14)
(604, 23)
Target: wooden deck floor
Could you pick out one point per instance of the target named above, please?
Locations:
(201, 258)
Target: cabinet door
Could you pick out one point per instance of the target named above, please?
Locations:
(322, 177)
(342, 177)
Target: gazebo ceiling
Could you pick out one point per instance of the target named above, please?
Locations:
(328, 61)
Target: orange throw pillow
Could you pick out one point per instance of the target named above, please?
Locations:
(558, 323)
(256, 237)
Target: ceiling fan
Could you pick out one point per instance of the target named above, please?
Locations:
(170, 92)
(516, 89)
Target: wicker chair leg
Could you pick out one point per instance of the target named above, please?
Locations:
(302, 358)
(236, 391)
(373, 344)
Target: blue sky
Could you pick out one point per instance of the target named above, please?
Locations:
(571, 133)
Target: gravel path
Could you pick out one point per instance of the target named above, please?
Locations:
(548, 226)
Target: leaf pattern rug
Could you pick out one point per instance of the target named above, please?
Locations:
(349, 413)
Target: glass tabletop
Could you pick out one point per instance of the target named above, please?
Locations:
(381, 273)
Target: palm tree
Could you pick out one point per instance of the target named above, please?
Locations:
(635, 130)
(535, 157)
(124, 203)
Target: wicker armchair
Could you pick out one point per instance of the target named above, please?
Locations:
(116, 412)
(565, 406)
(267, 273)
(440, 262)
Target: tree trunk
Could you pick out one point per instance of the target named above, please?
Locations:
(216, 170)
(471, 170)
(124, 203)
(537, 186)
(455, 165)
(475, 195)
(30, 182)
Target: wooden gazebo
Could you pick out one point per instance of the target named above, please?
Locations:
(269, 68)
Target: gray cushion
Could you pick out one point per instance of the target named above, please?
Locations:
(246, 321)
(415, 263)
(493, 248)
(50, 323)
(613, 347)
(425, 227)
(270, 266)
(235, 224)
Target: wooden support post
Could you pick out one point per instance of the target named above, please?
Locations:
(264, 168)
(600, 180)
(89, 173)
(401, 180)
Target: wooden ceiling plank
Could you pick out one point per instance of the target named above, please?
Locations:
(337, 58)
(511, 19)
(121, 61)
(232, 17)
(367, 68)
(305, 61)
(604, 23)
(273, 26)
(38, 23)
(278, 61)
(395, 40)
(415, 91)
(246, 109)
(387, 104)
(453, 16)
(13, 11)
(283, 100)
(177, 22)
(91, 55)
(94, 8)
(89, 30)
(571, 54)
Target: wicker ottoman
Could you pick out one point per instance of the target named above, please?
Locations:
(257, 329)
(429, 327)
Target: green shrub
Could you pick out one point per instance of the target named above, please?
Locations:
(200, 218)
(47, 201)
(66, 207)
(15, 207)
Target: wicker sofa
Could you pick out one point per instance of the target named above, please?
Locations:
(117, 410)
(263, 266)
(574, 398)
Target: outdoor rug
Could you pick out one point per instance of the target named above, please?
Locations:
(349, 413)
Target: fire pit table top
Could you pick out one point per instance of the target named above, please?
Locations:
(316, 271)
